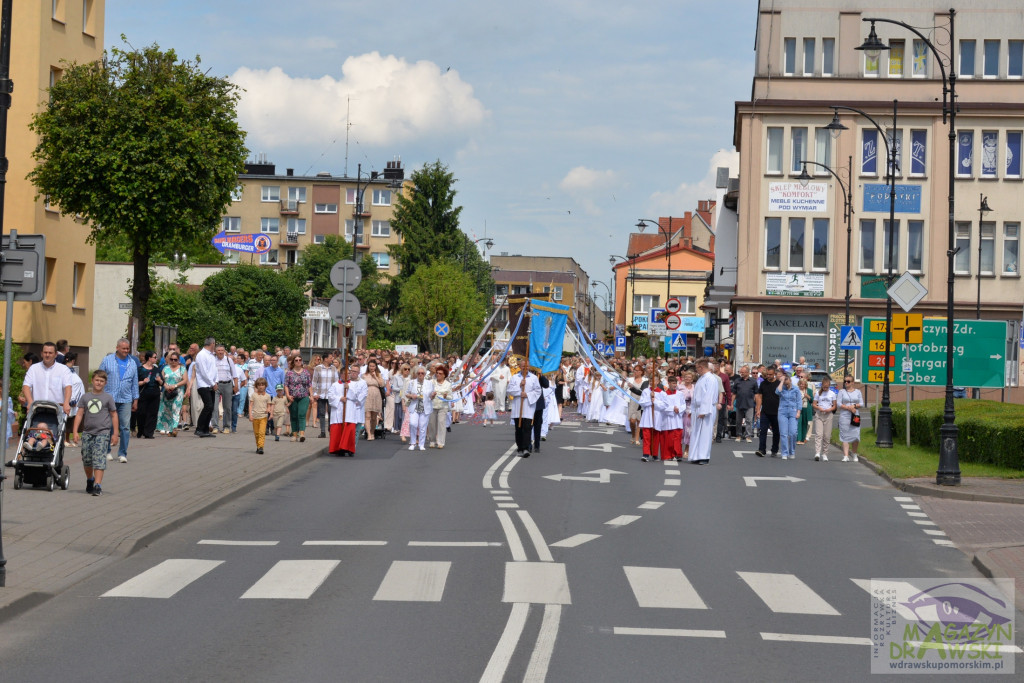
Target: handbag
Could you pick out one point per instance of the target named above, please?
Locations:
(855, 420)
(171, 394)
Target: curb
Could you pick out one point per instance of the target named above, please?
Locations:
(950, 493)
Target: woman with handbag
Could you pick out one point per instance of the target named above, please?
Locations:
(150, 389)
(375, 386)
(171, 398)
(850, 403)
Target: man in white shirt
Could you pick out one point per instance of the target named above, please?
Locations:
(206, 380)
(48, 381)
(226, 388)
(524, 390)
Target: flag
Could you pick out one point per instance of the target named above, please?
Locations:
(547, 333)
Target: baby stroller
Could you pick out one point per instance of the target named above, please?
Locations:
(42, 463)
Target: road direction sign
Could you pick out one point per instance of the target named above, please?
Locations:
(678, 341)
(979, 354)
(672, 322)
(673, 305)
(441, 329)
(907, 291)
(850, 337)
(603, 476)
(24, 267)
(906, 328)
(342, 306)
(346, 275)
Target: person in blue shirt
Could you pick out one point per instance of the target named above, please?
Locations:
(123, 385)
(790, 405)
(274, 376)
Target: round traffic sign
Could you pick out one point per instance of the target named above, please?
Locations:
(345, 275)
(673, 305)
(672, 322)
(441, 329)
(342, 306)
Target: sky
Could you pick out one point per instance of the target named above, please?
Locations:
(563, 121)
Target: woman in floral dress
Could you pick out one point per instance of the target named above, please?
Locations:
(176, 380)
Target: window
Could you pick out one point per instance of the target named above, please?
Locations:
(896, 58)
(1013, 152)
(867, 245)
(297, 194)
(269, 258)
(57, 10)
(318, 239)
(500, 290)
(989, 153)
(231, 224)
(380, 229)
(796, 243)
(230, 257)
(643, 303)
(270, 193)
(828, 51)
(293, 257)
(325, 208)
(350, 195)
(297, 226)
(918, 152)
(808, 56)
(895, 248)
(915, 245)
(270, 225)
(1011, 248)
(87, 17)
(870, 66)
(556, 294)
(236, 194)
(1015, 59)
(991, 67)
(77, 275)
(987, 249)
(820, 246)
(895, 139)
(55, 75)
(772, 242)
(962, 260)
(789, 56)
(350, 228)
(920, 68)
(50, 290)
(774, 150)
(382, 197)
(869, 152)
(382, 260)
(964, 152)
(967, 58)
(799, 151)
(689, 304)
(822, 149)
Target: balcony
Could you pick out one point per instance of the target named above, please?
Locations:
(356, 213)
(289, 239)
(289, 207)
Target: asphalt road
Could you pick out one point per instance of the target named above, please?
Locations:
(470, 564)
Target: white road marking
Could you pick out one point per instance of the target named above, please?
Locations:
(545, 583)
(163, 580)
(752, 481)
(291, 580)
(543, 552)
(497, 498)
(498, 491)
(786, 593)
(414, 582)
(941, 541)
(515, 545)
(901, 590)
(241, 543)
(344, 543)
(917, 514)
(663, 587)
(537, 671)
(489, 475)
(574, 541)
(503, 477)
(455, 544)
(924, 522)
(910, 506)
(740, 454)
(903, 499)
(650, 505)
(506, 647)
(934, 532)
(622, 520)
(672, 482)
(675, 632)
(510, 506)
(666, 494)
(827, 640)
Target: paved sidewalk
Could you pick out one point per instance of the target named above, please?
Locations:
(54, 540)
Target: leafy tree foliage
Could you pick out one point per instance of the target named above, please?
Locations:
(266, 306)
(145, 148)
(441, 291)
(172, 304)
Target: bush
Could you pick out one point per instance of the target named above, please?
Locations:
(989, 431)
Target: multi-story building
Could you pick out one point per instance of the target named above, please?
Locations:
(43, 36)
(793, 245)
(296, 211)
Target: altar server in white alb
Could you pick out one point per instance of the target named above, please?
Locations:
(703, 414)
(418, 391)
(669, 409)
(550, 410)
(347, 401)
(646, 424)
(524, 391)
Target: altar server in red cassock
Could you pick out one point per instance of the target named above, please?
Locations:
(669, 407)
(346, 399)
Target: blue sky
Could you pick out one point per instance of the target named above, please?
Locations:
(564, 121)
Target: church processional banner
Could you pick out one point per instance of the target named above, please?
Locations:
(547, 334)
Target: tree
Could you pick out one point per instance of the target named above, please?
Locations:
(441, 291)
(145, 148)
(266, 306)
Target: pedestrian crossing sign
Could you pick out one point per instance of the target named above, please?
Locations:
(851, 337)
(678, 341)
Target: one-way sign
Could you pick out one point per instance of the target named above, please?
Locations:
(851, 337)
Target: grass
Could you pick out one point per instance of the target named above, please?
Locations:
(903, 462)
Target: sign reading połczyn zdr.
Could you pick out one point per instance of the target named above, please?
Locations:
(979, 353)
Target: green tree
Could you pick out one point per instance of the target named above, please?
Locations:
(266, 306)
(441, 291)
(145, 148)
(17, 373)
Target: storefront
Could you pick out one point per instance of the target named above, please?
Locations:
(788, 337)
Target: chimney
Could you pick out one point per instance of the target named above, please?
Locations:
(289, 171)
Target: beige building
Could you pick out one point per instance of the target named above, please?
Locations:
(43, 35)
(296, 211)
(792, 244)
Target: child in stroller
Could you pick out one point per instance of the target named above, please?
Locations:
(39, 438)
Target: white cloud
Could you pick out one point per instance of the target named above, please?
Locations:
(588, 187)
(392, 101)
(686, 195)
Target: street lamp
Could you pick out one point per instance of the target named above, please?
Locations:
(607, 299)
(631, 259)
(641, 224)
(948, 473)
(804, 179)
(883, 430)
(982, 210)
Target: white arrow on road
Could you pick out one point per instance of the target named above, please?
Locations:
(603, 476)
(595, 430)
(752, 481)
(740, 454)
(603, 447)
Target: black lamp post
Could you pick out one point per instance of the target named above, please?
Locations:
(948, 473)
(641, 224)
(631, 259)
(982, 210)
(804, 179)
(883, 430)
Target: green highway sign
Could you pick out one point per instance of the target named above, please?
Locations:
(979, 354)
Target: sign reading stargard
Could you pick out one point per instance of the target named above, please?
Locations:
(979, 354)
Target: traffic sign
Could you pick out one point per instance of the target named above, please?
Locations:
(441, 329)
(346, 275)
(907, 291)
(620, 343)
(672, 322)
(979, 354)
(657, 329)
(906, 328)
(678, 341)
(656, 314)
(593, 336)
(850, 337)
(24, 266)
(343, 307)
(673, 305)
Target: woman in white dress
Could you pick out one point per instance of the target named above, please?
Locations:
(615, 403)
(595, 397)
(850, 403)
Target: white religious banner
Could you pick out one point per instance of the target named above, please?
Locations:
(794, 284)
(794, 197)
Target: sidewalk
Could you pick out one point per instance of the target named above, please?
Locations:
(54, 540)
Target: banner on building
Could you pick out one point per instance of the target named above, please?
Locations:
(795, 284)
(794, 197)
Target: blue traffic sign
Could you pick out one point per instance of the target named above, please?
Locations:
(593, 336)
(678, 341)
(851, 337)
(620, 343)
(656, 314)
(441, 329)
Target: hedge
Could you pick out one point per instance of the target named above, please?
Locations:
(989, 431)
